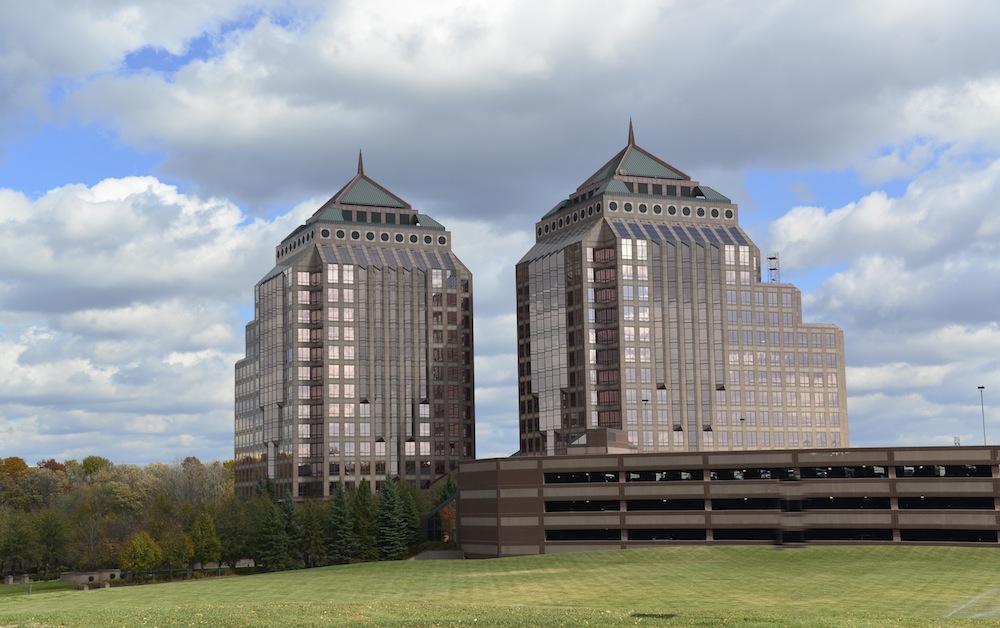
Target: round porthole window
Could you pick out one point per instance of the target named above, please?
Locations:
(385, 237)
(613, 206)
(657, 209)
(340, 234)
(325, 233)
(546, 228)
(428, 239)
(672, 210)
(729, 213)
(560, 223)
(701, 211)
(642, 208)
(715, 212)
(442, 240)
(369, 236)
(576, 217)
(597, 208)
(399, 237)
(355, 235)
(686, 211)
(590, 210)
(628, 207)
(414, 239)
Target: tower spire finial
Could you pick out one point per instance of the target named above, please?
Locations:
(631, 133)
(361, 163)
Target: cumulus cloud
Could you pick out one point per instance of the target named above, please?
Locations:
(120, 316)
(916, 296)
(439, 88)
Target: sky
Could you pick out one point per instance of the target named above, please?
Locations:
(153, 153)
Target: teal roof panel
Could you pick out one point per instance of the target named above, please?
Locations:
(364, 191)
(712, 195)
(639, 163)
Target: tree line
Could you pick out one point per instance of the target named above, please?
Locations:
(170, 518)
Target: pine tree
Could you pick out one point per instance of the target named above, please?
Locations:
(341, 542)
(293, 532)
(313, 515)
(365, 522)
(392, 533)
(411, 515)
(272, 543)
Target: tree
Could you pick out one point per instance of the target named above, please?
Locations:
(17, 542)
(140, 554)
(293, 531)
(207, 547)
(264, 487)
(92, 465)
(447, 513)
(176, 545)
(411, 515)
(234, 525)
(342, 544)
(313, 515)
(271, 544)
(448, 490)
(51, 536)
(365, 522)
(391, 523)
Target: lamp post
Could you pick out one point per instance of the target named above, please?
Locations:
(982, 406)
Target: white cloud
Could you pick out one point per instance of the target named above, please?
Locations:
(124, 318)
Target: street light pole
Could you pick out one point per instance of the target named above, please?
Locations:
(982, 406)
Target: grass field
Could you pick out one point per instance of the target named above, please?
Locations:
(690, 586)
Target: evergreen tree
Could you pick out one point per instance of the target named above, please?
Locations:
(313, 515)
(365, 522)
(293, 531)
(392, 533)
(411, 515)
(448, 490)
(271, 545)
(264, 487)
(234, 524)
(341, 541)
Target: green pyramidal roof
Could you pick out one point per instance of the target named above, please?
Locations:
(364, 191)
(636, 162)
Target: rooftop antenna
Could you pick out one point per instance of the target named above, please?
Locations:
(773, 268)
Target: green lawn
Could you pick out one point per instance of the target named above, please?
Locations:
(690, 586)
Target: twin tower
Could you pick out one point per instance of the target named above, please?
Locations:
(643, 325)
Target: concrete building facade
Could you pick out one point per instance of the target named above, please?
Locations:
(642, 308)
(359, 359)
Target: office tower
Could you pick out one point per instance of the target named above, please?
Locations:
(359, 359)
(641, 308)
